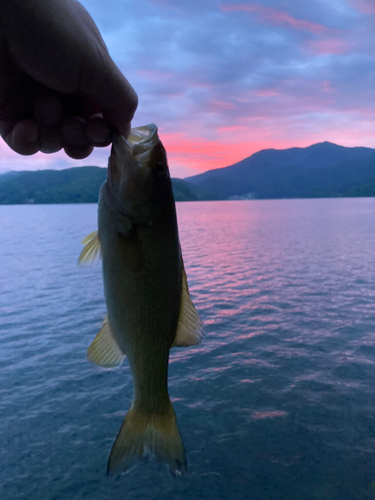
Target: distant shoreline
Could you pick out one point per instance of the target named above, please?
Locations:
(322, 170)
(195, 201)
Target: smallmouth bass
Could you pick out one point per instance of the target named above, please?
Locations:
(146, 293)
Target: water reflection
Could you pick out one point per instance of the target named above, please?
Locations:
(276, 403)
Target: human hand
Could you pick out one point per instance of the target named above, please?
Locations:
(59, 88)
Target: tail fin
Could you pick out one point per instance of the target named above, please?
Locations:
(140, 434)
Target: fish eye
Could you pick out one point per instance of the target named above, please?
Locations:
(160, 168)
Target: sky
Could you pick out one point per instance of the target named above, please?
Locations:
(225, 79)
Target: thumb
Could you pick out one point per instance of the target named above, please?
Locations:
(111, 91)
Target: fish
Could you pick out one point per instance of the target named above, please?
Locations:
(149, 308)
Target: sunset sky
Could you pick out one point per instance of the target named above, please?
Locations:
(224, 79)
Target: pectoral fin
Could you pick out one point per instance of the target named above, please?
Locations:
(104, 350)
(91, 252)
(190, 326)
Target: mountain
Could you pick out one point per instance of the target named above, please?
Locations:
(72, 185)
(7, 175)
(318, 171)
(323, 170)
(182, 191)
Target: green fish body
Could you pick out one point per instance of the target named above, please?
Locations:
(146, 293)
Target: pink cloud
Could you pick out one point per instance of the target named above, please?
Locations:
(190, 152)
(329, 46)
(327, 86)
(192, 155)
(9, 160)
(12, 161)
(279, 17)
(222, 105)
(364, 6)
(233, 128)
(267, 93)
(154, 74)
(197, 155)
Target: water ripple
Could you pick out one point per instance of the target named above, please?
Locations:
(279, 398)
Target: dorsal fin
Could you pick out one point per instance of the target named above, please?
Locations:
(92, 251)
(104, 350)
(190, 326)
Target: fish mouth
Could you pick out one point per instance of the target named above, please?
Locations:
(128, 156)
(138, 146)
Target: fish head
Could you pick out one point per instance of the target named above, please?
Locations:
(138, 179)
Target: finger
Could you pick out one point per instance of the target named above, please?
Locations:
(50, 138)
(48, 112)
(74, 132)
(113, 93)
(78, 152)
(98, 132)
(22, 137)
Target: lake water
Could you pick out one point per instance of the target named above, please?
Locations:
(278, 402)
